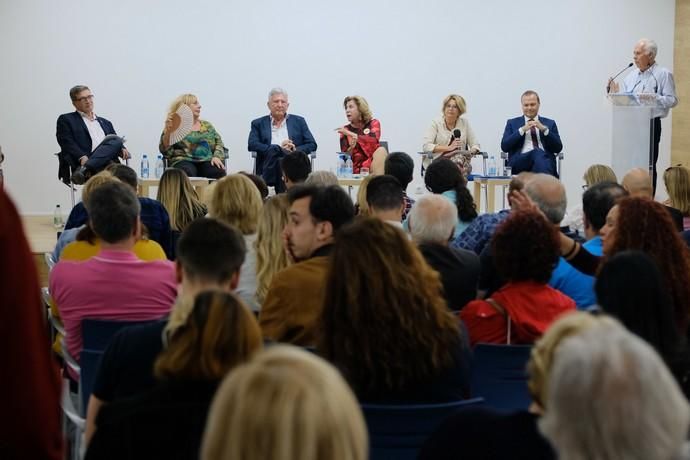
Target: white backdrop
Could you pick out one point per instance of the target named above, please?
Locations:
(403, 56)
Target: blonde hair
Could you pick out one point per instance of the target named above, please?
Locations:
(94, 182)
(187, 99)
(677, 182)
(286, 404)
(362, 107)
(237, 201)
(176, 194)
(459, 101)
(599, 173)
(270, 254)
(362, 205)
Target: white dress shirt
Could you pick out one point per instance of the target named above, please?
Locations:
(95, 130)
(528, 145)
(656, 80)
(279, 133)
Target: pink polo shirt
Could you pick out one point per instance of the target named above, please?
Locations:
(112, 285)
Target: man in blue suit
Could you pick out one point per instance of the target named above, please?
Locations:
(531, 141)
(88, 142)
(275, 135)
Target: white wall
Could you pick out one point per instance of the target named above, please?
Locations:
(404, 57)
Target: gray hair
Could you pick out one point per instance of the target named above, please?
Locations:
(432, 219)
(649, 46)
(76, 90)
(277, 90)
(549, 194)
(321, 178)
(610, 396)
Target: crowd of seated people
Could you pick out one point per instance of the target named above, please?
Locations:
(387, 312)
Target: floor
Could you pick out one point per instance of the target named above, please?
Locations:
(42, 237)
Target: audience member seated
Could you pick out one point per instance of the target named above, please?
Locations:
(597, 201)
(593, 175)
(401, 166)
(176, 194)
(30, 396)
(677, 182)
(385, 200)
(479, 232)
(385, 323)
(432, 222)
(441, 139)
(521, 310)
(285, 404)
(295, 168)
(638, 183)
(360, 137)
(237, 202)
(443, 177)
(321, 178)
(209, 256)
(259, 182)
(294, 301)
(617, 383)
(630, 287)
(361, 206)
(153, 215)
(87, 142)
(200, 153)
(116, 284)
(168, 422)
(491, 435)
(271, 256)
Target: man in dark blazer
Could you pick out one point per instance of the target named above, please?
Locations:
(531, 141)
(88, 142)
(275, 135)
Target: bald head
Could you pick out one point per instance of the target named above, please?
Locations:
(432, 219)
(549, 194)
(638, 183)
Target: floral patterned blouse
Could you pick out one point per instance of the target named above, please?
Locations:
(197, 146)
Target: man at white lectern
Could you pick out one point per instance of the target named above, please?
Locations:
(653, 79)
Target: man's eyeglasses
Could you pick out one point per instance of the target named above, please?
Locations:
(85, 98)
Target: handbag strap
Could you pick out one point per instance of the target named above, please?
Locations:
(502, 310)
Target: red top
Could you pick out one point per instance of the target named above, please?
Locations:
(367, 142)
(532, 308)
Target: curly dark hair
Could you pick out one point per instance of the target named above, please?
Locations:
(645, 225)
(385, 323)
(443, 175)
(526, 247)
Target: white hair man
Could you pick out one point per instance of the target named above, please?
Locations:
(432, 221)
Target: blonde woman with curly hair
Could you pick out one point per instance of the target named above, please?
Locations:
(270, 253)
(285, 404)
(176, 194)
(677, 182)
(360, 137)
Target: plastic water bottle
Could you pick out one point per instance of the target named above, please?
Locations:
(58, 221)
(144, 167)
(160, 167)
(348, 167)
(340, 172)
(492, 166)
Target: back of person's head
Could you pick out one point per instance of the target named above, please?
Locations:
(94, 182)
(327, 204)
(542, 353)
(362, 207)
(443, 175)
(285, 404)
(385, 194)
(113, 211)
(549, 195)
(321, 178)
(677, 182)
(259, 182)
(270, 253)
(401, 166)
(599, 173)
(432, 219)
(124, 173)
(219, 333)
(610, 396)
(598, 200)
(296, 167)
(237, 201)
(638, 182)
(395, 293)
(537, 253)
(176, 194)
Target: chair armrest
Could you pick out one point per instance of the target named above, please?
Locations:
(484, 155)
(426, 154)
(68, 408)
(56, 323)
(252, 153)
(560, 155)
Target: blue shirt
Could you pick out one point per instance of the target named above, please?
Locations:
(575, 284)
(461, 226)
(479, 232)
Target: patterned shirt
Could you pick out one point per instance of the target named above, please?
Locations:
(480, 231)
(367, 142)
(408, 205)
(197, 146)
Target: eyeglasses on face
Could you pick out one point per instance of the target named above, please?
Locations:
(85, 98)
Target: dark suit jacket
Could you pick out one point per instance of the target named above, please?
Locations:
(512, 140)
(260, 136)
(74, 138)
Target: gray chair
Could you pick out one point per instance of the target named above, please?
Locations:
(312, 159)
(560, 156)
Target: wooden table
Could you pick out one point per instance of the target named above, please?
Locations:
(199, 183)
(488, 185)
(350, 182)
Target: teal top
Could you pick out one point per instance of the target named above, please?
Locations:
(197, 146)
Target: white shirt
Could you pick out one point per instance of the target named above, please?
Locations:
(656, 79)
(528, 145)
(95, 130)
(280, 133)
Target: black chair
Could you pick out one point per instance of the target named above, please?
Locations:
(65, 169)
(499, 375)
